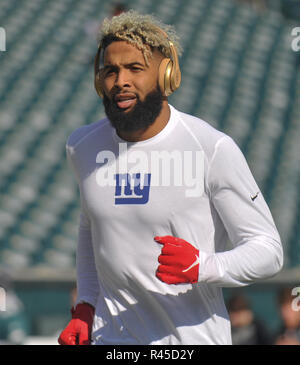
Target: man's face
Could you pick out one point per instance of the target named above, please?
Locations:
(132, 98)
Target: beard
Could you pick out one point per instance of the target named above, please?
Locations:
(140, 117)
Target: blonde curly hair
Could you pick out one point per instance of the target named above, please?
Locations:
(140, 31)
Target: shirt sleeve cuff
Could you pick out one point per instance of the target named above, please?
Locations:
(208, 269)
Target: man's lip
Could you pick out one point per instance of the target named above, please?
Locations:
(126, 103)
(124, 96)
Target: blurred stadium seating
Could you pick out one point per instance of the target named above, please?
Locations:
(239, 73)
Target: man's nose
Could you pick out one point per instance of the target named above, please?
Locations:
(122, 79)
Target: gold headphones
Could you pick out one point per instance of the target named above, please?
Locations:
(169, 75)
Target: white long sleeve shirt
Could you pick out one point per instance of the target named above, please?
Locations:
(189, 181)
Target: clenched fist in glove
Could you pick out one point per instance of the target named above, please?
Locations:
(78, 331)
(179, 261)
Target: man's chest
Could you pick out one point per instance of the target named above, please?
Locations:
(147, 184)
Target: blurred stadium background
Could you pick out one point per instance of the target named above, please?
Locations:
(239, 73)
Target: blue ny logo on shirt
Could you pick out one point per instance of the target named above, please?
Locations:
(129, 189)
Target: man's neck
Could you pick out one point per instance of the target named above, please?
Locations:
(159, 124)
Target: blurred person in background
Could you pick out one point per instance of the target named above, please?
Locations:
(289, 333)
(92, 26)
(118, 9)
(13, 320)
(246, 328)
(257, 5)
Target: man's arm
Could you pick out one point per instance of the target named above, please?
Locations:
(86, 273)
(257, 251)
(79, 329)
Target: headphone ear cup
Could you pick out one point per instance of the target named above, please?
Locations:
(164, 74)
(98, 84)
(175, 77)
(98, 74)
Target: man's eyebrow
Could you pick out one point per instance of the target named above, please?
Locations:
(135, 63)
(109, 66)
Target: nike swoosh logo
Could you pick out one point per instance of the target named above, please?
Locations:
(254, 196)
(196, 262)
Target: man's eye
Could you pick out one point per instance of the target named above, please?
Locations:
(133, 68)
(109, 72)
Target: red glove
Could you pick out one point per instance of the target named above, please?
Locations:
(78, 331)
(179, 261)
